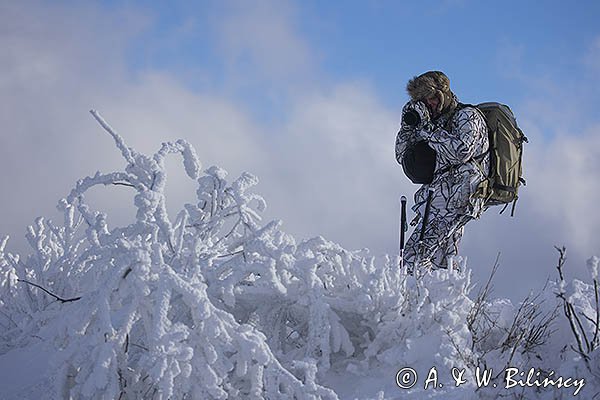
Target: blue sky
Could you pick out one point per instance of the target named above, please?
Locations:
(484, 47)
(306, 95)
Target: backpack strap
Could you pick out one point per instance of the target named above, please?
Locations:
(512, 211)
(460, 106)
(448, 125)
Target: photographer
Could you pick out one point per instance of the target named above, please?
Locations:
(442, 145)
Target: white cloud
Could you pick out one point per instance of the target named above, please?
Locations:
(565, 187)
(259, 41)
(558, 207)
(336, 159)
(61, 60)
(53, 66)
(562, 168)
(327, 168)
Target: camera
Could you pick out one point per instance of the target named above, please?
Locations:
(415, 114)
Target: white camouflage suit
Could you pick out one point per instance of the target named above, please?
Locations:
(457, 135)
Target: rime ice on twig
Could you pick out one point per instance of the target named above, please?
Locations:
(126, 151)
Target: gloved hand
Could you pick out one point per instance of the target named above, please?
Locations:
(415, 114)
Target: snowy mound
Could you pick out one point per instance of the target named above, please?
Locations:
(216, 305)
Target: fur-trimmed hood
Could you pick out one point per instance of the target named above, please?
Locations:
(430, 84)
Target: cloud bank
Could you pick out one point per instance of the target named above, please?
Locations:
(324, 152)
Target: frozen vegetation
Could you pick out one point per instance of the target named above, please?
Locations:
(215, 304)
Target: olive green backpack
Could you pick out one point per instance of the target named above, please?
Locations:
(506, 156)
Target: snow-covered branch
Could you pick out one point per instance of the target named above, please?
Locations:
(216, 304)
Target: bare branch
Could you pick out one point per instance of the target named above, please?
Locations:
(561, 261)
(595, 341)
(123, 184)
(50, 293)
(577, 328)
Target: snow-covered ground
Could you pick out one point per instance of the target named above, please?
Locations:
(216, 304)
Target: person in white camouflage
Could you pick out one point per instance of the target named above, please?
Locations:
(458, 134)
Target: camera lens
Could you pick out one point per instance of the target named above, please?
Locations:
(411, 118)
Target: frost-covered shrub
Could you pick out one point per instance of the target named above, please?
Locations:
(581, 308)
(143, 325)
(215, 304)
(318, 300)
(25, 308)
(506, 335)
(427, 327)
